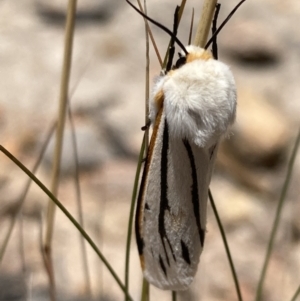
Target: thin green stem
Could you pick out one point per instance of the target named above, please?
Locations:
(68, 215)
(150, 33)
(145, 296)
(296, 294)
(147, 81)
(277, 218)
(88, 287)
(235, 278)
(131, 214)
(174, 296)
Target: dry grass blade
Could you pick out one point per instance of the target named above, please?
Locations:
(191, 27)
(64, 88)
(130, 221)
(150, 34)
(277, 218)
(228, 253)
(88, 288)
(294, 298)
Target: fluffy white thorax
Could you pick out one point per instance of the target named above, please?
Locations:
(199, 99)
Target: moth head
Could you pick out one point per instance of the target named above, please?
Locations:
(181, 60)
(193, 53)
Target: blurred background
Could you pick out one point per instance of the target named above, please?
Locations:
(261, 44)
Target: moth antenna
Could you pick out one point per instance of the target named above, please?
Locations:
(214, 29)
(191, 27)
(165, 29)
(172, 48)
(223, 23)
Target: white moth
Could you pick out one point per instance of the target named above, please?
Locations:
(191, 107)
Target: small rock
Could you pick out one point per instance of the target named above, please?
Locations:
(253, 44)
(91, 152)
(236, 205)
(261, 133)
(88, 11)
(12, 287)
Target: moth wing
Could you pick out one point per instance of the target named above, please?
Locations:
(171, 211)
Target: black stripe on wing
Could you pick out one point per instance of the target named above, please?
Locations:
(164, 202)
(194, 190)
(185, 252)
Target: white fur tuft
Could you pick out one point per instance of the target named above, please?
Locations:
(199, 100)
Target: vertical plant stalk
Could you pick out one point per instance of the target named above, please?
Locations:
(294, 298)
(235, 278)
(145, 296)
(24, 273)
(64, 87)
(191, 27)
(205, 23)
(147, 73)
(149, 32)
(147, 81)
(145, 290)
(88, 289)
(174, 296)
(131, 215)
(277, 218)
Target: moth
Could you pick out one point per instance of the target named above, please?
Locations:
(191, 107)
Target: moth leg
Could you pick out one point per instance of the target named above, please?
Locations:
(146, 126)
